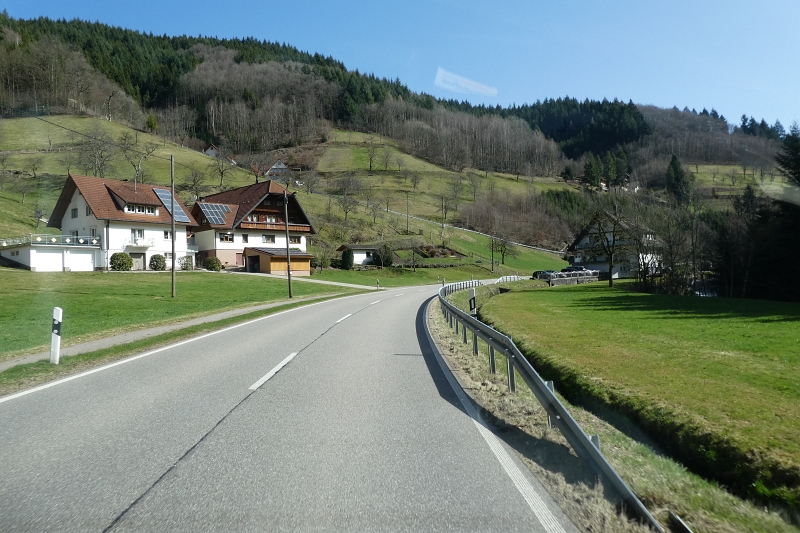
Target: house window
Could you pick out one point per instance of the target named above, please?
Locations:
(245, 237)
(136, 234)
(151, 210)
(267, 202)
(88, 210)
(74, 233)
(167, 235)
(268, 239)
(92, 232)
(226, 237)
(272, 218)
(280, 202)
(251, 218)
(294, 239)
(74, 212)
(168, 256)
(291, 220)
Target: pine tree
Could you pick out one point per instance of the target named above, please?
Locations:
(677, 182)
(610, 169)
(788, 160)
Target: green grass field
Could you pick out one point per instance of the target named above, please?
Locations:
(98, 303)
(715, 380)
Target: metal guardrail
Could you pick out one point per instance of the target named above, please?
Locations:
(50, 240)
(586, 447)
(509, 278)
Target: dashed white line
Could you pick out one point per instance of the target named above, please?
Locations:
(272, 372)
(375, 302)
(344, 317)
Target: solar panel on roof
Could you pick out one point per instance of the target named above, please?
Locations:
(166, 198)
(215, 213)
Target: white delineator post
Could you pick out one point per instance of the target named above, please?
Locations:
(55, 340)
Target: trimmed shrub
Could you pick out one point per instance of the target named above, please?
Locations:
(347, 259)
(212, 263)
(186, 262)
(158, 262)
(121, 262)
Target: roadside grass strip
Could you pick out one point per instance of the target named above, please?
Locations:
(31, 375)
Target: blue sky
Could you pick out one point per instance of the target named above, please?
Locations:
(736, 56)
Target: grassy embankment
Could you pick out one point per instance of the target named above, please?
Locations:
(98, 304)
(714, 382)
(660, 482)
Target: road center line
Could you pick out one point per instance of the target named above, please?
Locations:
(344, 317)
(375, 302)
(272, 372)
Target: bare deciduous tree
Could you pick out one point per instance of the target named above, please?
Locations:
(95, 152)
(372, 151)
(135, 153)
(311, 181)
(221, 166)
(347, 204)
(386, 157)
(416, 179)
(195, 183)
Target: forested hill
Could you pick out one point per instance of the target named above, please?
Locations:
(149, 68)
(578, 127)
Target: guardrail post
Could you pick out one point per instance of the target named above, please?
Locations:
(492, 368)
(595, 441)
(456, 321)
(549, 385)
(464, 332)
(474, 343)
(512, 378)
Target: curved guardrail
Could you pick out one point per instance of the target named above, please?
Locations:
(586, 447)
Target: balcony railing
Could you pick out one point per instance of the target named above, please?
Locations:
(51, 240)
(138, 243)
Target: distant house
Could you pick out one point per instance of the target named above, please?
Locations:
(363, 254)
(273, 261)
(250, 216)
(631, 257)
(99, 217)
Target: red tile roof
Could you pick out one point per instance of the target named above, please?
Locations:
(100, 194)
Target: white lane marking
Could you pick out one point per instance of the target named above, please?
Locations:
(542, 512)
(344, 317)
(375, 302)
(163, 348)
(272, 372)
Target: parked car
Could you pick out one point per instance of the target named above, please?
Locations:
(542, 274)
(575, 269)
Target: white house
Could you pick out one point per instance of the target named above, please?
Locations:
(363, 254)
(99, 217)
(630, 258)
(250, 216)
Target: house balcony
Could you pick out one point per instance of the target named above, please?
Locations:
(273, 226)
(138, 243)
(51, 240)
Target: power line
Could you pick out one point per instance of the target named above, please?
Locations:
(112, 143)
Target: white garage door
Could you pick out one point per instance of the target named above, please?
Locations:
(79, 260)
(44, 260)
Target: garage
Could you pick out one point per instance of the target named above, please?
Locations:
(79, 260)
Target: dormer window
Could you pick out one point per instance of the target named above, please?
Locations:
(141, 209)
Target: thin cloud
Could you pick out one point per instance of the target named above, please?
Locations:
(459, 84)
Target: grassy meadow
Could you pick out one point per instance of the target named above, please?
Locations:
(662, 483)
(103, 303)
(716, 382)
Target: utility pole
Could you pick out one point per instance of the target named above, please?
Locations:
(442, 233)
(172, 212)
(286, 220)
(406, 212)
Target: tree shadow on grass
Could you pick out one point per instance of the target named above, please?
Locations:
(687, 307)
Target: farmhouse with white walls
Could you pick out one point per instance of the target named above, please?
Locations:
(250, 216)
(99, 217)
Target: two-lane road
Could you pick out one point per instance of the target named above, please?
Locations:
(330, 417)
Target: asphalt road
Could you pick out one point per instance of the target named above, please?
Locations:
(359, 430)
